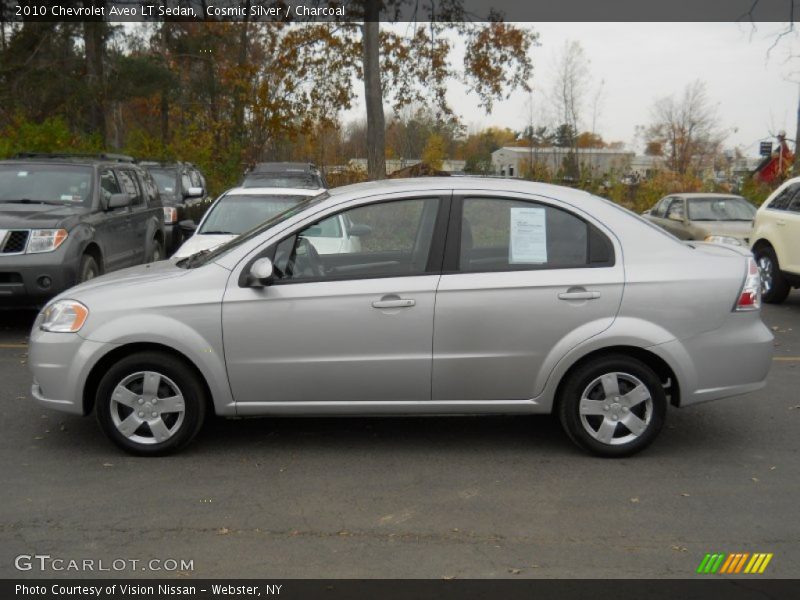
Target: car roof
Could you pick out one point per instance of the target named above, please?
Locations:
(282, 167)
(69, 158)
(468, 182)
(692, 195)
(273, 191)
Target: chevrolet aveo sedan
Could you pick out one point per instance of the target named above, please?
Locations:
(468, 296)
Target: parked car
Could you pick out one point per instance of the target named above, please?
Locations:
(285, 175)
(65, 219)
(776, 241)
(240, 209)
(470, 296)
(184, 194)
(719, 218)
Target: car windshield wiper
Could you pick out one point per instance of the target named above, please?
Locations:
(29, 201)
(193, 260)
(217, 233)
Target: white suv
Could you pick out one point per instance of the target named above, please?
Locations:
(776, 241)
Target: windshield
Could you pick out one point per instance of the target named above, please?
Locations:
(237, 213)
(166, 179)
(307, 181)
(291, 210)
(46, 184)
(721, 209)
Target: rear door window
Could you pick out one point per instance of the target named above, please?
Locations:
(511, 235)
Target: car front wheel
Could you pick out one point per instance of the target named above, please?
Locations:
(150, 403)
(612, 406)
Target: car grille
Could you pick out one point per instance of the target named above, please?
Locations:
(15, 241)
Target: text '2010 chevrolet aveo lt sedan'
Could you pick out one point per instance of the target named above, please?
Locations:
(468, 296)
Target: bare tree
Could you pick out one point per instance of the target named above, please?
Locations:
(571, 82)
(686, 128)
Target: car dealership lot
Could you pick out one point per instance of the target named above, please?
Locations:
(408, 497)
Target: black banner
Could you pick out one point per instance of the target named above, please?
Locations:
(712, 588)
(400, 10)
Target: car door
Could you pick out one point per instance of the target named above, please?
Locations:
(674, 219)
(112, 225)
(524, 281)
(140, 220)
(788, 226)
(344, 327)
(129, 238)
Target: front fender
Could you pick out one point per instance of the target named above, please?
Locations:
(204, 349)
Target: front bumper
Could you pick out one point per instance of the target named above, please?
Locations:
(60, 363)
(30, 280)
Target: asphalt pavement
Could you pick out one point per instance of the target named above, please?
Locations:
(404, 497)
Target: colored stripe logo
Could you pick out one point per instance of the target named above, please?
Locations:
(734, 563)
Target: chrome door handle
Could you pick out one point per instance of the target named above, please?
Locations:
(393, 302)
(579, 295)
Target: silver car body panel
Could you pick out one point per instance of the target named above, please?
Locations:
(495, 342)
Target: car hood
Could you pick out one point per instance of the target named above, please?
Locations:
(199, 242)
(137, 275)
(36, 216)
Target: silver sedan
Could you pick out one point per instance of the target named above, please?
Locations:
(466, 296)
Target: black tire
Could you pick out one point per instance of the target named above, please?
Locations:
(156, 251)
(89, 269)
(628, 373)
(774, 287)
(142, 438)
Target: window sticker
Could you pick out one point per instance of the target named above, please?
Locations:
(528, 236)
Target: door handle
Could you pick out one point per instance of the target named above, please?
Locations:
(780, 222)
(579, 294)
(393, 301)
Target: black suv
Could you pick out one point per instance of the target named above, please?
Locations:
(67, 218)
(184, 195)
(285, 175)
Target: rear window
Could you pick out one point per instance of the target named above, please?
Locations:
(237, 213)
(49, 184)
(166, 179)
(307, 181)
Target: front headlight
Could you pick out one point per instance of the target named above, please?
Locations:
(723, 239)
(46, 240)
(64, 316)
(170, 215)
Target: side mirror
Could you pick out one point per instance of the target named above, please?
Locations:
(188, 226)
(261, 273)
(647, 212)
(359, 230)
(194, 192)
(120, 200)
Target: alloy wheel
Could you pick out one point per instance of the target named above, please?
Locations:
(147, 407)
(767, 269)
(616, 408)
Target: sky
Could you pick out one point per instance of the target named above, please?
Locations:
(755, 94)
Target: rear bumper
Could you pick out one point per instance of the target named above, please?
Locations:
(729, 361)
(30, 280)
(173, 238)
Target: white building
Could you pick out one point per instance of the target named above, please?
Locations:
(514, 161)
(395, 164)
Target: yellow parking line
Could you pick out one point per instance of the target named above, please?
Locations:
(787, 358)
(13, 345)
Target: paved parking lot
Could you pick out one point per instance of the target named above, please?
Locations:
(429, 497)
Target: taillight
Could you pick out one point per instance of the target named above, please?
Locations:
(750, 295)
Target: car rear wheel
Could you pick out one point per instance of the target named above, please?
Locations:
(156, 252)
(150, 403)
(88, 268)
(774, 287)
(612, 406)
